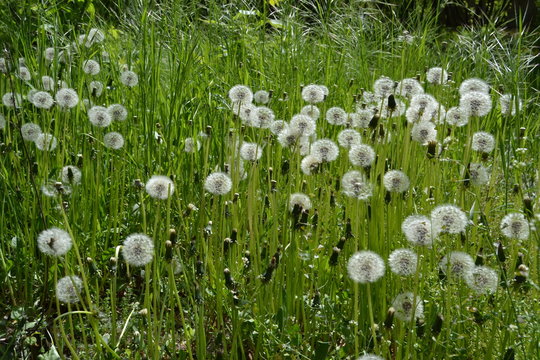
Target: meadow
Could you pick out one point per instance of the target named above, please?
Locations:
(233, 185)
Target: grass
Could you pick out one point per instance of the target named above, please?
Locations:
(281, 295)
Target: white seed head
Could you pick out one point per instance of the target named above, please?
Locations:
(326, 150)
(336, 116)
(313, 94)
(354, 184)
(68, 289)
(448, 219)
(46, 142)
(365, 267)
(42, 100)
(473, 85)
(515, 226)
(302, 200)
(483, 142)
(457, 264)
(475, 103)
(302, 125)
(54, 242)
(408, 307)
(218, 183)
(91, 67)
(240, 94)
(67, 98)
(482, 280)
(437, 75)
(138, 250)
(129, 78)
(403, 262)
(362, 155)
(160, 187)
(99, 116)
(396, 181)
(71, 174)
(117, 112)
(30, 131)
(417, 230)
(348, 138)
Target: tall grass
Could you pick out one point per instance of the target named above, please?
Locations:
(236, 276)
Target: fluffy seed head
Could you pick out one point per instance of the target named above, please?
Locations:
(48, 83)
(313, 94)
(68, 289)
(99, 116)
(423, 102)
(95, 88)
(24, 73)
(261, 117)
(71, 174)
(457, 264)
(42, 100)
(482, 280)
(509, 104)
(191, 145)
(336, 116)
(261, 97)
(424, 132)
(365, 267)
(483, 142)
(49, 54)
(361, 118)
(355, 185)
(240, 94)
(348, 138)
(91, 67)
(302, 125)
(301, 200)
(396, 181)
(138, 250)
(129, 78)
(383, 86)
(407, 306)
(515, 226)
(312, 111)
(3, 123)
(113, 140)
(54, 242)
(250, 151)
(117, 112)
(12, 99)
(278, 126)
(46, 142)
(325, 149)
(370, 357)
(448, 219)
(288, 138)
(473, 85)
(417, 230)
(218, 183)
(403, 262)
(409, 87)
(361, 155)
(457, 116)
(310, 164)
(30, 131)
(244, 111)
(160, 187)
(66, 98)
(475, 103)
(478, 174)
(437, 75)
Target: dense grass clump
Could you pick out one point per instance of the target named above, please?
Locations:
(245, 187)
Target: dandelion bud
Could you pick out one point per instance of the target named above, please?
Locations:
(528, 207)
(500, 252)
(315, 219)
(374, 122)
(173, 236)
(228, 279)
(437, 325)
(316, 302)
(138, 184)
(236, 196)
(522, 132)
(285, 167)
(420, 327)
(208, 130)
(143, 312)
(227, 242)
(168, 250)
(199, 270)
(389, 321)
(334, 257)
(247, 259)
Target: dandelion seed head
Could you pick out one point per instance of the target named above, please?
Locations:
(475, 103)
(371, 98)
(396, 181)
(403, 262)
(424, 102)
(478, 174)
(67, 98)
(362, 155)
(250, 151)
(95, 35)
(355, 185)
(312, 111)
(261, 117)
(515, 226)
(409, 87)
(310, 164)
(218, 183)
(129, 78)
(49, 54)
(313, 94)
(302, 125)
(261, 97)
(244, 111)
(365, 267)
(30, 131)
(424, 132)
(46, 142)
(361, 118)
(448, 219)
(12, 99)
(417, 230)
(302, 200)
(48, 83)
(482, 280)
(437, 114)
(24, 73)
(348, 138)
(42, 100)
(68, 289)
(509, 104)
(288, 138)
(95, 88)
(99, 116)
(138, 249)
(437, 75)
(117, 112)
(369, 357)
(336, 116)
(278, 126)
(3, 66)
(457, 116)
(113, 140)
(54, 242)
(325, 149)
(457, 263)
(483, 142)
(474, 84)
(71, 174)
(91, 67)
(240, 94)
(191, 145)
(383, 87)
(160, 187)
(407, 305)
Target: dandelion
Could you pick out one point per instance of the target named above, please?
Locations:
(457, 116)
(71, 174)
(3, 122)
(312, 111)
(390, 111)
(365, 267)
(409, 87)
(478, 174)
(348, 138)
(52, 189)
(3, 66)
(129, 78)
(403, 262)
(91, 67)
(362, 155)
(361, 118)
(475, 103)
(313, 94)
(477, 85)
(423, 102)
(68, 289)
(302, 125)
(49, 54)
(250, 151)
(261, 117)
(325, 149)
(482, 280)
(301, 200)
(218, 183)
(261, 97)
(160, 187)
(288, 138)
(95, 88)
(407, 306)
(515, 226)
(113, 140)
(369, 357)
(46, 142)
(396, 181)
(117, 112)
(191, 145)
(437, 114)
(448, 219)
(95, 35)
(310, 164)
(371, 98)
(138, 249)
(437, 75)
(417, 230)
(240, 94)
(383, 87)
(12, 99)
(424, 132)
(355, 185)
(54, 242)
(42, 100)
(47, 82)
(66, 98)
(99, 116)
(278, 126)
(413, 114)
(483, 142)
(30, 131)
(336, 116)
(24, 73)
(509, 104)
(457, 264)
(244, 111)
